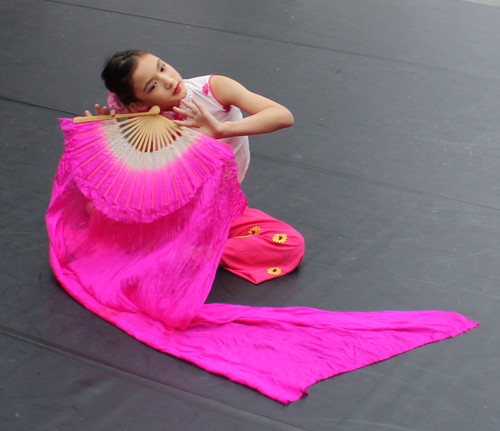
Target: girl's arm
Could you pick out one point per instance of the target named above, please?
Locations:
(265, 115)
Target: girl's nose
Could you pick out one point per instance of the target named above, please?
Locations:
(168, 81)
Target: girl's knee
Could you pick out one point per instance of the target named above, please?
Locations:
(297, 245)
(294, 240)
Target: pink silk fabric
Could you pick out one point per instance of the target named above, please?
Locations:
(152, 280)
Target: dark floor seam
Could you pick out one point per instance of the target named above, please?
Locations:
(37, 105)
(364, 180)
(177, 393)
(287, 42)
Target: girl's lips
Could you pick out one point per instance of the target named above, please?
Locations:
(177, 88)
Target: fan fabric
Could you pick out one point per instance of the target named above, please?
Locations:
(130, 185)
(152, 280)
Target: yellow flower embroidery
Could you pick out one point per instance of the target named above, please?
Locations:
(254, 230)
(274, 271)
(280, 238)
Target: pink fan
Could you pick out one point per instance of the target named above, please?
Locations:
(138, 167)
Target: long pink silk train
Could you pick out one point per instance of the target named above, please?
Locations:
(151, 280)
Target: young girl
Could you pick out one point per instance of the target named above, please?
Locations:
(259, 247)
(152, 279)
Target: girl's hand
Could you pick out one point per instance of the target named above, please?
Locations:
(103, 111)
(198, 116)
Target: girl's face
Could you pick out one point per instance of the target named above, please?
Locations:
(156, 83)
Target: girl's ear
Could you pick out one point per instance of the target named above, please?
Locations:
(139, 106)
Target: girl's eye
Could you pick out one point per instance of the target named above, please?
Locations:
(162, 68)
(152, 87)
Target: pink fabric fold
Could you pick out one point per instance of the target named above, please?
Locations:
(152, 280)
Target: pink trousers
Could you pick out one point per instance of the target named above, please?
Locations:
(260, 247)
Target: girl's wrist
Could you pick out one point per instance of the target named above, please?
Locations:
(225, 130)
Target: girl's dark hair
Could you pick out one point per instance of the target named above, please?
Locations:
(117, 74)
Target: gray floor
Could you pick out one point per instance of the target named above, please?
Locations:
(390, 173)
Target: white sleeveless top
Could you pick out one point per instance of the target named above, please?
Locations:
(199, 88)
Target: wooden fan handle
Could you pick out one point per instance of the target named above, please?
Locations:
(155, 110)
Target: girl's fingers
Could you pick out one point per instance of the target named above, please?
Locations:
(194, 108)
(186, 104)
(185, 123)
(200, 108)
(181, 111)
(99, 111)
(184, 112)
